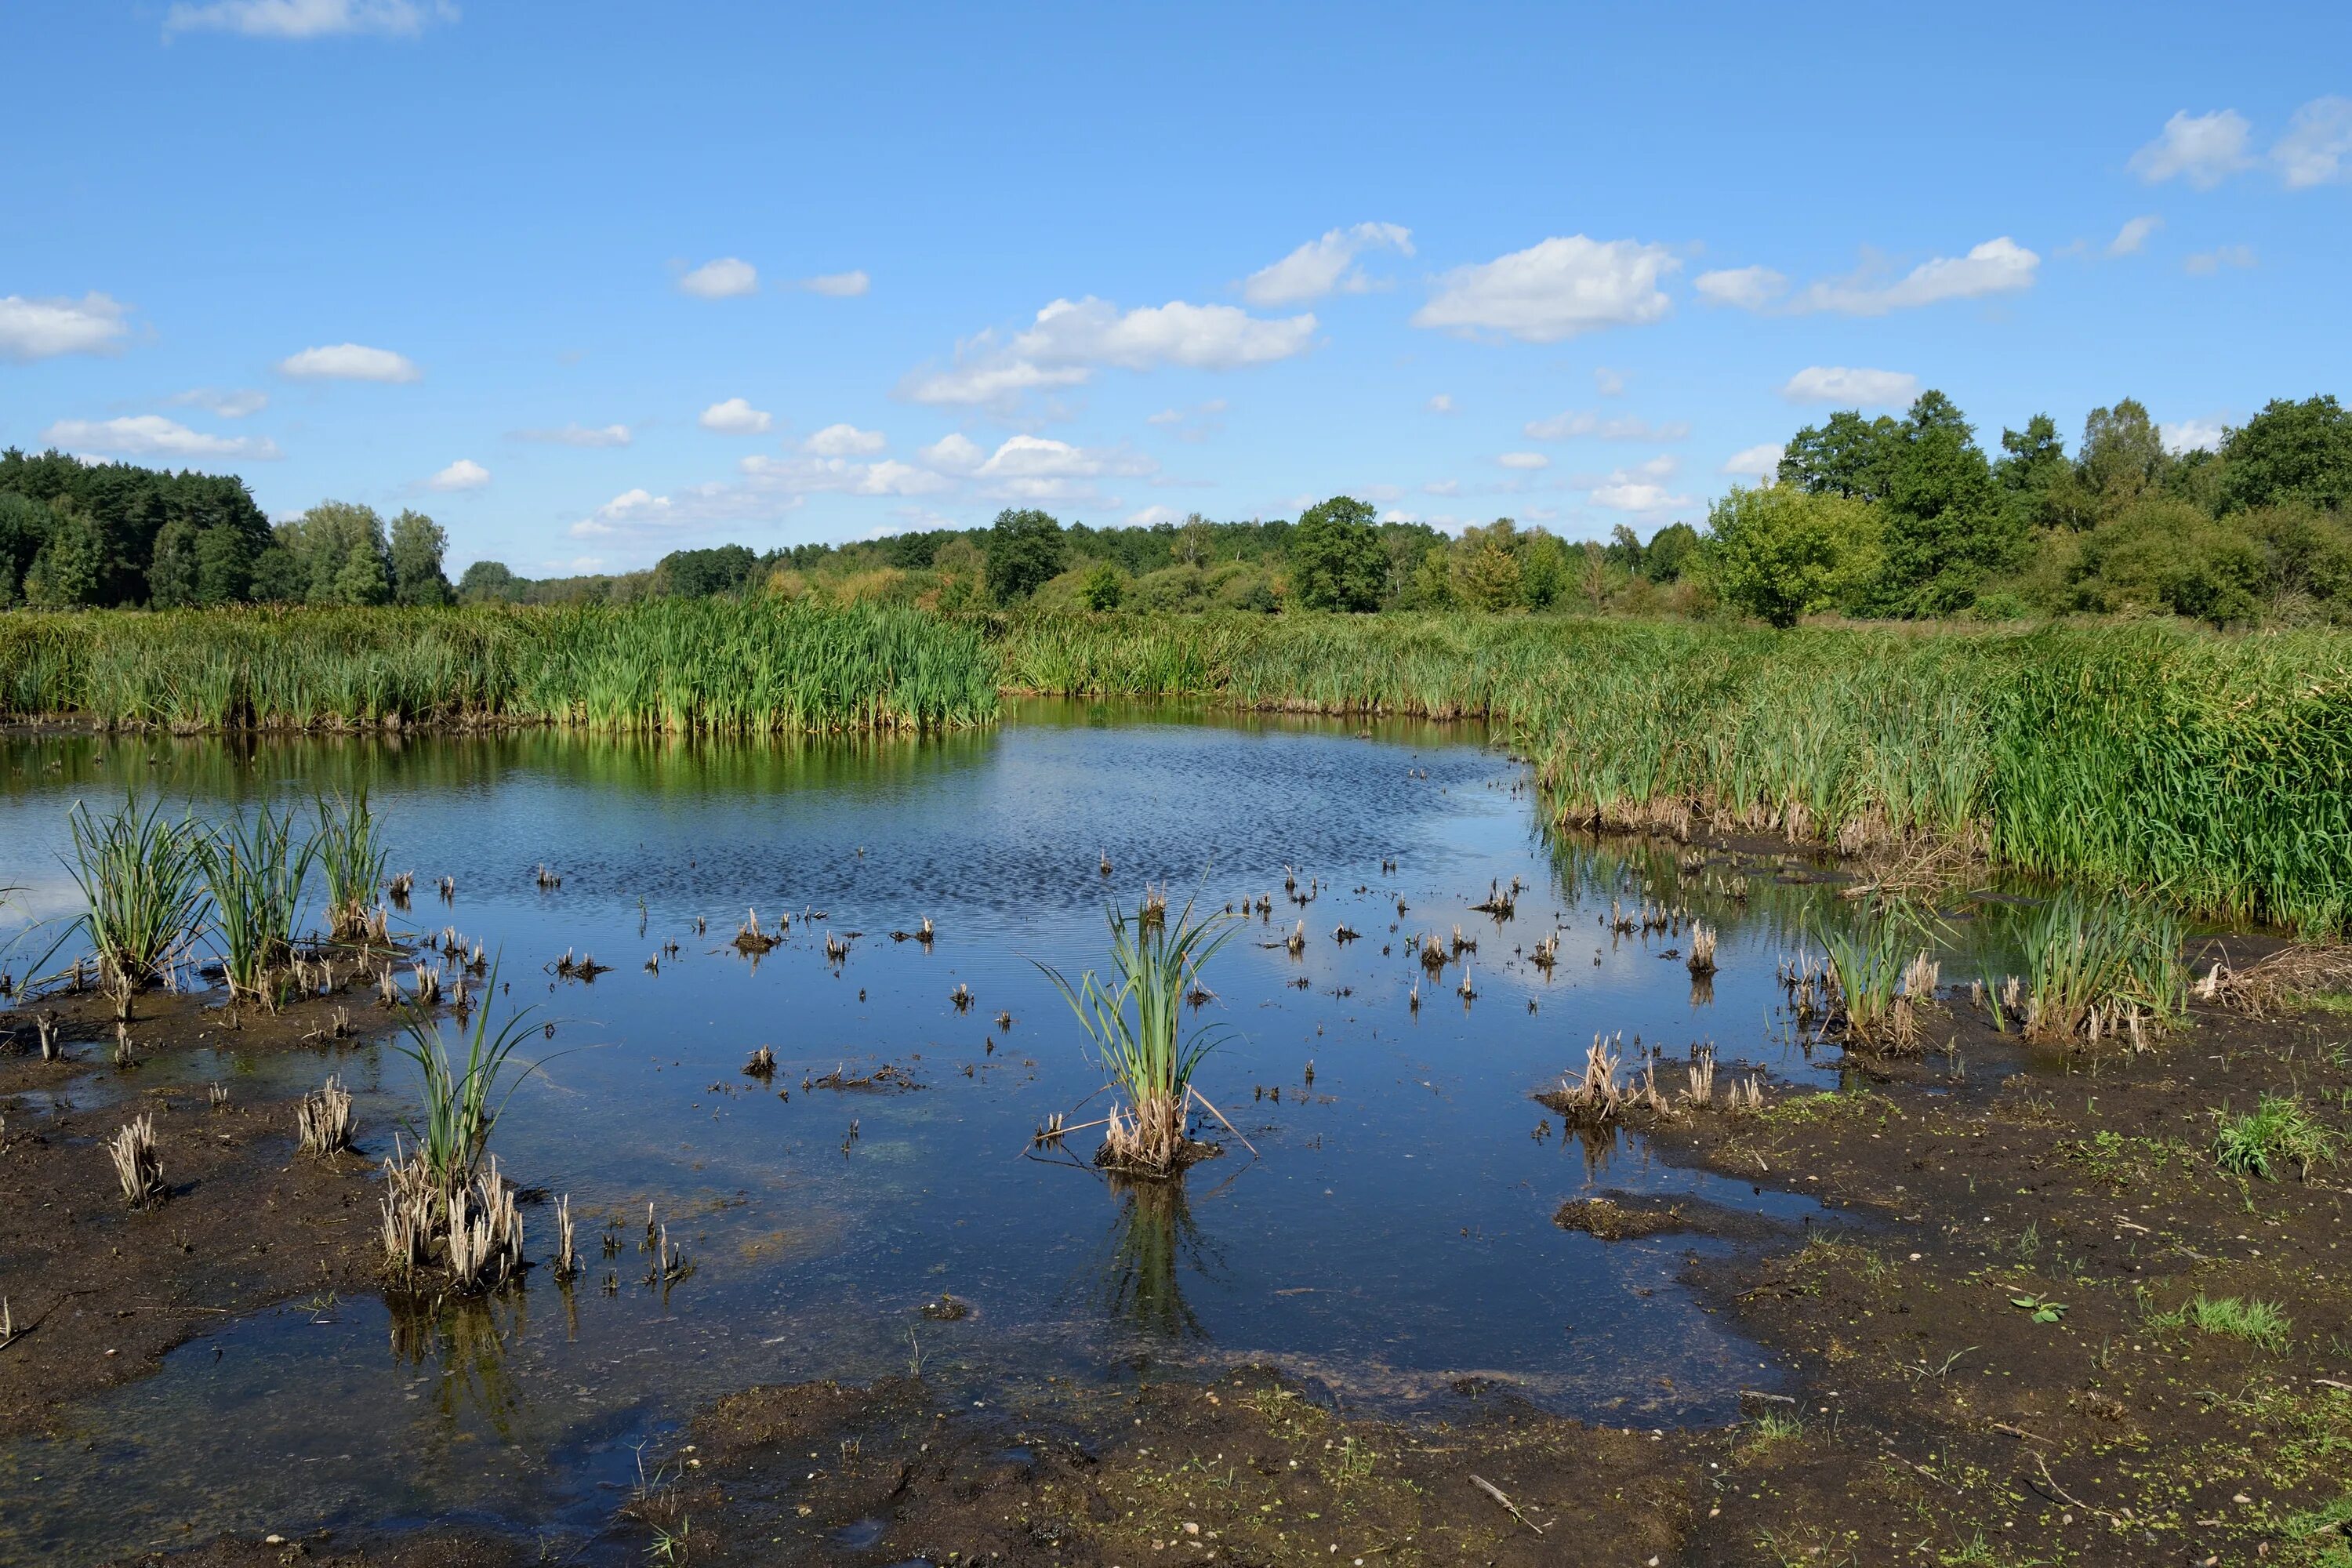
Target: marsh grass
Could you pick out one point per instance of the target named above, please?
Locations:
(1135, 1024)
(256, 871)
(137, 1164)
(1880, 977)
(2100, 967)
(351, 856)
(2279, 1131)
(461, 1103)
(140, 879)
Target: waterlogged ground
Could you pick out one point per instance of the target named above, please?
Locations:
(1391, 1235)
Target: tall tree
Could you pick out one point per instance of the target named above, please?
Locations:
(417, 550)
(1337, 561)
(1024, 552)
(1848, 456)
(1944, 533)
(1779, 552)
(2290, 452)
(2123, 457)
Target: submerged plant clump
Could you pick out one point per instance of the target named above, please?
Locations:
(1136, 1026)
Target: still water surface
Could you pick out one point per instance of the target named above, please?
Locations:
(1392, 1234)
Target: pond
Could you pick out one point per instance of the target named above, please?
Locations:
(1380, 1222)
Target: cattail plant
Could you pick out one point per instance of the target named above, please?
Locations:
(139, 882)
(136, 1162)
(1594, 1098)
(2096, 967)
(567, 1261)
(1135, 1024)
(255, 872)
(462, 1101)
(323, 1118)
(1701, 960)
(352, 854)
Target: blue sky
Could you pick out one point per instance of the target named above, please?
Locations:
(592, 281)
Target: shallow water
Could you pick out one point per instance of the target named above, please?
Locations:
(1391, 1234)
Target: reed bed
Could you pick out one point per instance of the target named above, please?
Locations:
(2212, 772)
(676, 666)
(139, 875)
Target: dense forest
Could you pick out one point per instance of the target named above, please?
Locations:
(1870, 518)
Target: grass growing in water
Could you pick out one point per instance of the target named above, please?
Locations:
(2280, 1130)
(1136, 1028)
(255, 871)
(2100, 966)
(1872, 963)
(351, 855)
(139, 876)
(461, 1104)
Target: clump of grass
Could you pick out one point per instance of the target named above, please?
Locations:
(136, 1162)
(255, 871)
(351, 855)
(462, 1103)
(323, 1118)
(137, 874)
(2100, 967)
(2280, 1130)
(2257, 1323)
(1880, 977)
(1136, 1026)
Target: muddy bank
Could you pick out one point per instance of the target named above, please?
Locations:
(99, 1291)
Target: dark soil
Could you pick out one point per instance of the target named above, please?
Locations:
(1629, 1216)
(1999, 1361)
(98, 1291)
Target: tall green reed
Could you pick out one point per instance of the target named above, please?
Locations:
(1135, 1024)
(2100, 966)
(461, 1103)
(351, 855)
(144, 896)
(255, 870)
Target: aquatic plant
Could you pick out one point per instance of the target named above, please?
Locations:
(1136, 1028)
(2098, 967)
(322, 1119)
(255, 872)
(1879, 977)
(136, 1162)
(143, 898)
(461, 1103)
(351, 856)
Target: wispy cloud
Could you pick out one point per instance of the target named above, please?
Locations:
(152, 435)
(350, 361)
(1555, 289)
(575, 436)
(728, 278)
(1325, 266)
(1862, 388)
(42, 329)
(308, 18)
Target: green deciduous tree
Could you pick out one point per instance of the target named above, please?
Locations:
(1846, 455)
(1781, 553)
(417, 550)
(2289, 453)
(1337, 561)
(1024, 552)
(1104, 588)
(1943, 532)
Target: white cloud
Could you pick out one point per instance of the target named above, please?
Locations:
(1528, 461)
(579, 565)
(222, 403)
(735, 417)
(1554, 289)
(1841, 383)
(1997, 266)
(576, 435)
(1152, 516)
(2317, 143)
(1441, 404)
(2132, 237)
(1039, 469)
(350, 361)
(838, 285)
(2193, 435)
(1755, 462)
(2204, 149)
(152, 435)
(640, 514)
(1443, 487)
(1321, 266)
(1608, 383)
(1748, 287)
(845, 441)
(2205, 263)
(1642, 489)
(464, 474)
(728, 278)
(38, 329)
(1071, 339)
(308, 18)
(1197, 422)
(953, 453)
(1575, 423)
(800, 476)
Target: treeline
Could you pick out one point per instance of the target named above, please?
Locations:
(1912, 517)
(110, 536)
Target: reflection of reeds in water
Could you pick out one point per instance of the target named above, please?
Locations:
(466, 1342)
(1150, 1245)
